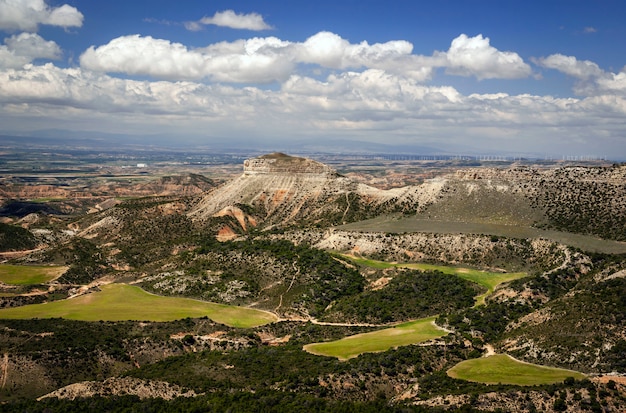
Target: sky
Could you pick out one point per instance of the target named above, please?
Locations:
(507, 77)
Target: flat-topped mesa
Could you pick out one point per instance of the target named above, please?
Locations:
(279, 163)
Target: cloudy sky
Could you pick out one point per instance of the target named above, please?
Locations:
(494, 76)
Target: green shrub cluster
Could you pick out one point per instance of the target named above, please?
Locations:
(14, 238)
(409, 295)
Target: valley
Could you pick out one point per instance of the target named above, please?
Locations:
(274, 279)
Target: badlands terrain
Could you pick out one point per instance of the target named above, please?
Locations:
(285, 283)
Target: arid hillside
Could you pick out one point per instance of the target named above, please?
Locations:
(475, 251)
(280, 190)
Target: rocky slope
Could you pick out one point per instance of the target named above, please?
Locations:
(121, 386)
(281, 190)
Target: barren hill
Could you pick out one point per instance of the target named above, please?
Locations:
(281, 189)
(278, 189)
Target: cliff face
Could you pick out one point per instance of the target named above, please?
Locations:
(279, 163)
(282, 189)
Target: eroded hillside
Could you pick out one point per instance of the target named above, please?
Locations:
(266, 240)
(279, 190)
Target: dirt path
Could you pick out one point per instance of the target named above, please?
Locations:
(347, 209)
(293, 279)
(8, 255)
(5, 369)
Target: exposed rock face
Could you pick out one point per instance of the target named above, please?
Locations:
(121, 386)
(479, 250)
(283, 189)
(284, 164)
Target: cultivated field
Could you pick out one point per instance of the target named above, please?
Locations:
(29, 274)
(119, 302)
(413, 332)
(506, 370)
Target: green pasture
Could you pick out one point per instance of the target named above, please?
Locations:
(413, 332)
(29, 274)
(489, 280)
(119, 302)
(503, 369)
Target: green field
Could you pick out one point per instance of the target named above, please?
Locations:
(503, 369)
(119, 302)
(489, 280)
(29, 274)
(412, 332)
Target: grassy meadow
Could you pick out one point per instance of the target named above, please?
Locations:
(119, 302)
(489, 280)
(502, 369)
(29, 274)
(413, 332)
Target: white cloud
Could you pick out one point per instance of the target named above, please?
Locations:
(592, 80)
(580, 69)
(331, 50)
(64, 16)
(269, 59)
(24, 48)
(228, 18)
(8, 59)
(34, 46)
(363, 105)
(255, 60)
(193, 26)
(613, 82)
(324, 86)
(27, 15)
(138, 55)
(474, 56)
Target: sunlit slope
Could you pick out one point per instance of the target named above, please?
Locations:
(119, 302)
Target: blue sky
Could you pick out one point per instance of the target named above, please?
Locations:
(508, 77)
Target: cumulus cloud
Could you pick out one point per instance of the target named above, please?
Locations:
(269, 59)
(34, 46)
(613, 82)
(27, 15)
(331, 50)
(255, 60)
(363, 104)
(580, 69)
(591, 79)
(259, 60)
(24, 48)
(474, 56)
(228, 18)
(8, 59)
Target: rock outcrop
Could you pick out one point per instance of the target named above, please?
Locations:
(121, 386)
(279, 163)
(282, 189)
